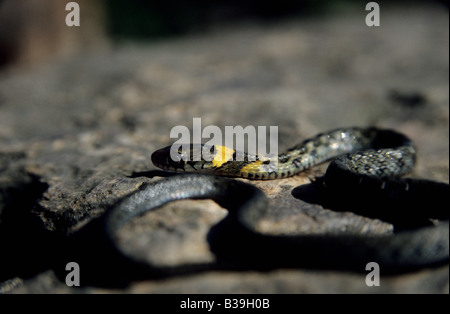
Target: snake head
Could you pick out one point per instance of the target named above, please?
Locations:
(176, 157)
(162, 159)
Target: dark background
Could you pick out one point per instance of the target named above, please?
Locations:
(31, 32)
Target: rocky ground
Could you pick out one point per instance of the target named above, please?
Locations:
(76, 136)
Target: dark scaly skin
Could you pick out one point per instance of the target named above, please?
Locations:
(247, 204)
(370, 158)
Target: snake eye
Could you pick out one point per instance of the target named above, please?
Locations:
(180, 150)
(211, 150)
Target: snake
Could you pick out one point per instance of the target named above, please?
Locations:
(367, 164)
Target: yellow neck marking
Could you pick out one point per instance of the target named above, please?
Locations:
(223, 154)
(253, 167)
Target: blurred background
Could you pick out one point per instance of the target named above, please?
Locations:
(31, 31)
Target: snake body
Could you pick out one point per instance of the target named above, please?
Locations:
(383, 153)
(370, 158)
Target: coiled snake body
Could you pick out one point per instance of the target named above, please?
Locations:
(367, 166)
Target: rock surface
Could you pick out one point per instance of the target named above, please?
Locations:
(76, 136)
